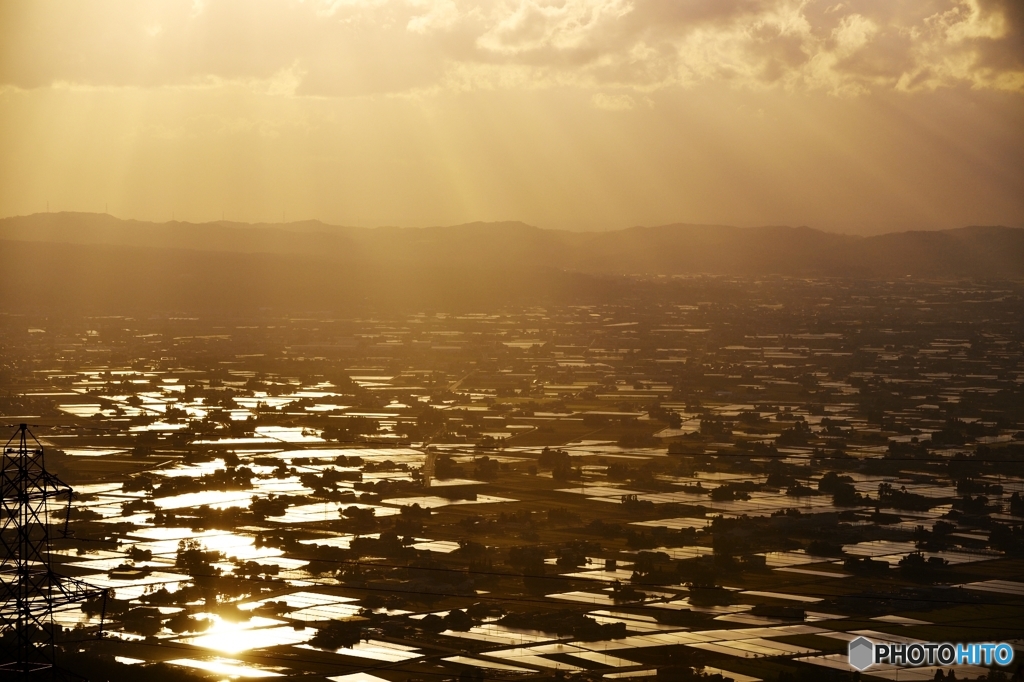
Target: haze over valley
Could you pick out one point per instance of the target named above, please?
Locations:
(312, 265)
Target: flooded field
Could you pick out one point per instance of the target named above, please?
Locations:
(549, 492)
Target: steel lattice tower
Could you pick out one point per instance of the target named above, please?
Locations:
(29, 589)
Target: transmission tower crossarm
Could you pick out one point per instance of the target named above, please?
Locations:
(74, 590)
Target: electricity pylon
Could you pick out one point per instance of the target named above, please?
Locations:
(29, 589)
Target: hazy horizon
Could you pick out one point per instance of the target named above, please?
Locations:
(864, 232)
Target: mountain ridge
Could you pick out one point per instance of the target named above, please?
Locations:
(673, 249)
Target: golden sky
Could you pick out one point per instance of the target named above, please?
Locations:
(858, 116)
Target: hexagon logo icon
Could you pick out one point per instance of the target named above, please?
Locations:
(861, 653)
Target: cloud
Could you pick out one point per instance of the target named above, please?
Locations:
(368, 47)
(612, 102)
(533, 25)
(283, 83)
(974, 42)
(439, 15)
(329, 8)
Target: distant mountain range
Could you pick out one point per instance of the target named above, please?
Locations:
(71, 256)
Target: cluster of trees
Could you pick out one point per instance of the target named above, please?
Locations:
(915, 566)
(349, 429)
(560, 463)
(566, 623)
(445, 467)
(228, 478)
(799, 434)
(360, 518)
(338, 634)
(734, 490)
(429, 423)
(661, 414)
(936, 539)
(865, 565)
(1007, 538)
(843, 492)
(327, 482)
(389, 545)
(456, 619)
(410, 520)
(486, 468)
(973, 506)
(903, 499)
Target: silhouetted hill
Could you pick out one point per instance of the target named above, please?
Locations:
(74, 258)
(668, 249)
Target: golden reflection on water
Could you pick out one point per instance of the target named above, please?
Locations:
(232, 637)
(224, 666)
